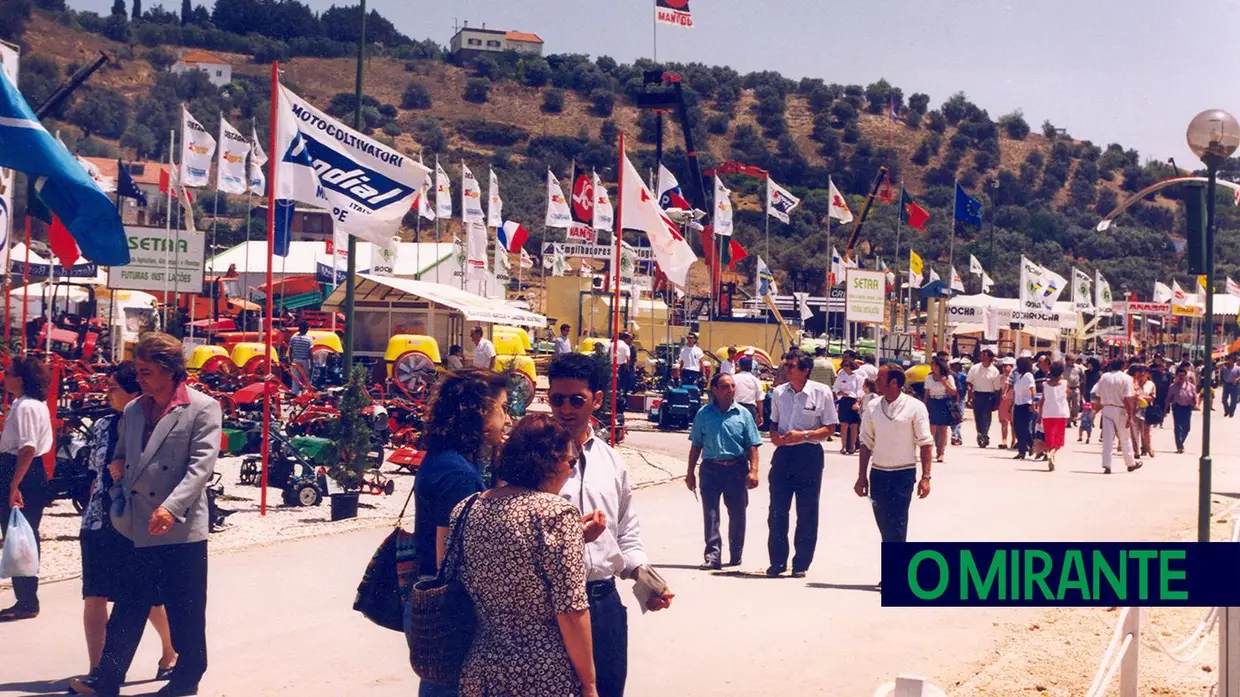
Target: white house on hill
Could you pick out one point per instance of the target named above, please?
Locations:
(216, 68)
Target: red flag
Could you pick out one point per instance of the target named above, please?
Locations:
(734, 253)
(62, 243)
(912, 214)
(885, 195)
(708, 252)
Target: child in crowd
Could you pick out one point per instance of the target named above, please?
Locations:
(1087, 422)
(868, 395)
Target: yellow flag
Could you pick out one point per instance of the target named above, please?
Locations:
(914, 262)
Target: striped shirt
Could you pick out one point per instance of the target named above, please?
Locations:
(299, 347)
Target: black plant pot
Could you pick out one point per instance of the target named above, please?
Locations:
(344, 506)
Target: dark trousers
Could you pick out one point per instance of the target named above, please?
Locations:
(609, 629)
(34, 495)
(1231, 394)
(1022, 423)
(726, 482)
(688, 377)
(890, 494)
(1183, 418)
(175, 575)
(983, 409)
(796, 470)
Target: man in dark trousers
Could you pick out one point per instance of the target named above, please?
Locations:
(802, 417)
(725, 433)
(985, 384)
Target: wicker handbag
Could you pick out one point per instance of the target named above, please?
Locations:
(440, 621)
(385, 586)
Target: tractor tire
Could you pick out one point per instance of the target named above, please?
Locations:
(308, 495)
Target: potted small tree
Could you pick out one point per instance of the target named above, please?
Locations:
(352, 436)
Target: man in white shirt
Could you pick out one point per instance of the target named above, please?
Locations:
(895, 436)
(484, 350)
(599, 485)
(624, 361)
(866, 367)
(1118, 397)
(749, 389)
(691, 360)
(985, 384)
(563, 343)
(802, 417)
(728, 365)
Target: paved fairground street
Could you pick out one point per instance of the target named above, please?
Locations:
(280, 620)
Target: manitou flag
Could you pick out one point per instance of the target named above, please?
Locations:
(558, 214)
(641, 211)
(675, 12)
(197, 150)
(912, 214)
(839, 208)
(779, 201)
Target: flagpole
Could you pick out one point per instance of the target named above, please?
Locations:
(271, 235)
(168, 227)
(25, 286)
(417, 239)
(350, 287)
(246, 285)
(615, 302)
(215, 224)
(899, 228)
(438, 263)
(830, 263)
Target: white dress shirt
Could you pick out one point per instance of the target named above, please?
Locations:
(866, 371)
(985, 379)
(894, 432)
(618, 550)
(848, 385)
(562, 344)
(483, 353)
(748, 388)
(1023, 389)
(727, 367)
(691, 358)
(622, 352)
(811, 408)
(1113, 388)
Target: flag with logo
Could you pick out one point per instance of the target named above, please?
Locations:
(502, 266)
(766, 280)
(957, 281)
(674, 12)
(914, 269)
(975, 266)
(934, 276)
(1102, 293)
(125, 186)
(968, 209)
(106, 183)
(1082, 291)
(443, 192)
(670, 195)
(641, 212)
(367, 186)
(230, 175)
(1039, 286)
(912, 214)
(197, 150)
(495, 205)
(779, 201)
(581, 205)
(1162, 292)
(803, 305)
(170, 185)
(987, 282)
(559, 262)
(383, 257)
(558, 213)
(1178, 297)
(839, 207)
(527, 261)
(723, 209)
(476, 247)
(471, 198)
(258, 158)
(425, 208)
(604, 213)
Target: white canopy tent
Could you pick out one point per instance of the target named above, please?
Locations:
(969, 314)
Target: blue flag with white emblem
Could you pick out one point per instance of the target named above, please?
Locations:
(367, 186)
(968, 209)
(60, 182)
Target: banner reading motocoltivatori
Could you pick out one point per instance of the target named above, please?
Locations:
(159, 261)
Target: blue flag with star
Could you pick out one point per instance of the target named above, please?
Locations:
(968, 209)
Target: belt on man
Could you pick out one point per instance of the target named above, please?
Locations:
(600, 589)
(724, 463)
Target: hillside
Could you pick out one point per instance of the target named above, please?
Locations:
(1041, 194)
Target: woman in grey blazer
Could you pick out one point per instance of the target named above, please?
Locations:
(165, 456)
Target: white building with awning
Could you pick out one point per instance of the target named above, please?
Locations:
(386, 306)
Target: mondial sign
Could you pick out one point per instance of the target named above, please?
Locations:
(159, 262)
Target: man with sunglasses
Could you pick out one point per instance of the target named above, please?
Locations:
(802, 417)
(599, 487)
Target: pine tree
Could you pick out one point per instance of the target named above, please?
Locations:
(352, 434)
(137, 10)
(187, 12)
(118, 7)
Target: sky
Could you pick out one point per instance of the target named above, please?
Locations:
(1132, 72)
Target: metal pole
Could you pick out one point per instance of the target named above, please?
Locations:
(273, 168)
(350, 287)
(168, 223)
(615, 300)
(896, 260)
(1229, 652)
(25, 286)
(1207, 379)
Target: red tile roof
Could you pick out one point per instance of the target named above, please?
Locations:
(199, 56)
(149, 173)
(523, 36)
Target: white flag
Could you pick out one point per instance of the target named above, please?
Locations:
(803, 304)
(527, 261)
(766, 280)
(975, 266)
(957, 282)
(641, 212)
(443, 192)
(934, 275)
(987, 282)
(1102, 293)
(559, 263)
(839, 208)
(495, 205)
(502, 265)
(1039, 286)
(471, 198)
(476, 247)
(197, 150)
(383, 257)
(558, 213)
(258, 158)
(1162, 292)
(1233, 288)
(604, 213)
(838, 269)
(779, 201)
(367, 186)
(1178, 297)
(669, 190)
(105, 183)
(1082, 291)
(723, 209)
(230, 169)
(425, 209)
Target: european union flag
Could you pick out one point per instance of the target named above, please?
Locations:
(60, 182)
(125, 185)
(968, 209)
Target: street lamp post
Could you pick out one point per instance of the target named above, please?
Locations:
(1213, 136)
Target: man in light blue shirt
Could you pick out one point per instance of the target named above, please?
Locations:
(725, 436)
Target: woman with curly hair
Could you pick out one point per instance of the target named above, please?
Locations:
(468, 411)
(523, 564)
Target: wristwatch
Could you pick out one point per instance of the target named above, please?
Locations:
(926, 477)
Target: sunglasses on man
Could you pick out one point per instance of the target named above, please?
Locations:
(557, 400)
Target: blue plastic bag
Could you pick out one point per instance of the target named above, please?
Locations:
(20, 556)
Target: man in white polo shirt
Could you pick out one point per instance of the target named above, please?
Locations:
(895, 436)
(691, 360)
(484, 350)
(985, 384)
(1118, 397)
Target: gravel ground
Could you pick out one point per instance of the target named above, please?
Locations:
(245, 528)
(1058, 654)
